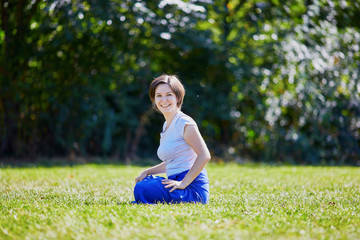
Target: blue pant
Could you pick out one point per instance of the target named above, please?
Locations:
(151, 190)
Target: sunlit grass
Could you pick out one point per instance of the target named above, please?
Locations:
(247, 202)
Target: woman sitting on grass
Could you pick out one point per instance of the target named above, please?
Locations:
(182, 150)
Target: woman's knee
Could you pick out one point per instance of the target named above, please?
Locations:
(150, 191)
(139, 187)
(144, 187)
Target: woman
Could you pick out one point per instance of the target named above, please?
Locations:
(182, 150)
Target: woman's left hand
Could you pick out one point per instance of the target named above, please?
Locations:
(172, 183)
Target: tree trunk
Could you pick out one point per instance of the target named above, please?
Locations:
(144, 120)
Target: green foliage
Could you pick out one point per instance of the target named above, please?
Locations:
(273, 80)
(92, 202)
(296, 92)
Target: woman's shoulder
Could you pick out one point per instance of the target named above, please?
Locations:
(184, 119)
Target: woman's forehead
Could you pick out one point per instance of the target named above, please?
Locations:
(163, 88)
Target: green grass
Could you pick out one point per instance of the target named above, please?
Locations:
(247, 202)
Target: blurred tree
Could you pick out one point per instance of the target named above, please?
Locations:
(268, 80)
(287, 59)
(73, 81)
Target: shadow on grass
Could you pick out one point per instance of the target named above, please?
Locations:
(72, 162)
(140, 162)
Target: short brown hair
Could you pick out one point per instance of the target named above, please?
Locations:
(175, 85)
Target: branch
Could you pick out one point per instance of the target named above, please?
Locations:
(4, 16)
(22, 19)
(237, 8)
(4, 26)
(228, 13)
(20, 16)
(32, 10)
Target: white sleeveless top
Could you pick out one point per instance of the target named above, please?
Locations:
(173, 149)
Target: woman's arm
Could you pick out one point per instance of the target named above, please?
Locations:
(157, 169)
(193, 137)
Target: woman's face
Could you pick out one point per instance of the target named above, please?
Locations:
(165, 99)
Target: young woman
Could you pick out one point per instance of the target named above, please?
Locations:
(182, 150)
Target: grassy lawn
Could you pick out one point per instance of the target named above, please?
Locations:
(247, 202)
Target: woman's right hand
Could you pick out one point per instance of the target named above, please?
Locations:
(141, 177)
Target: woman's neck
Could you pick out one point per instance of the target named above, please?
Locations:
(169, 117)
